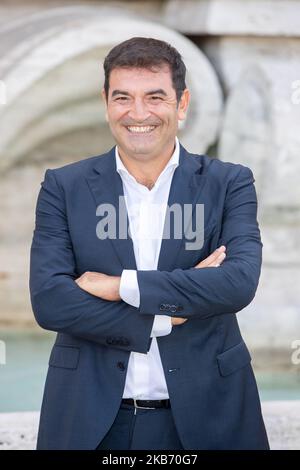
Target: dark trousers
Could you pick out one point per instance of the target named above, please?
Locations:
(142, 429)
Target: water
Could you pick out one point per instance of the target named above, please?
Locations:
(278, 385)
(22, 378)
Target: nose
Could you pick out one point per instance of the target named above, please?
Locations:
(138, 111)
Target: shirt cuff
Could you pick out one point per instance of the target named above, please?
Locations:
(162, 326)
(129, 288)
(130, 293)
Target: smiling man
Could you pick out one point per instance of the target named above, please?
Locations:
(143, 114)
(148, 353)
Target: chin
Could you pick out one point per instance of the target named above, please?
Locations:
(142, 148)
(144, 152)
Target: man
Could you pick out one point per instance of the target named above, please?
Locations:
(148, 353)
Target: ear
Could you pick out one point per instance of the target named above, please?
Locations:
(183, 105)
(105, 103)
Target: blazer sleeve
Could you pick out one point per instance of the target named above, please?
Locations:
(229, 288)
(58, 303)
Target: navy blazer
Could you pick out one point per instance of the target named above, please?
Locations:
(212, 389)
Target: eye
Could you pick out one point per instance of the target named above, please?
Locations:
(122, 98)
(156, 98)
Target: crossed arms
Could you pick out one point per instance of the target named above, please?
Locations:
(108, 287)
(60, 304)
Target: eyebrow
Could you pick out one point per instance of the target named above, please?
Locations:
(158, 91)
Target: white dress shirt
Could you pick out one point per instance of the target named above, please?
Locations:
(145, 379)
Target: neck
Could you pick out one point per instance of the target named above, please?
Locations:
(147, 171)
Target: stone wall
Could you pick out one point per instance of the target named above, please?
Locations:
(18, 431)
(244, 72)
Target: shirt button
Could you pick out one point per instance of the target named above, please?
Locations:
(121, 365)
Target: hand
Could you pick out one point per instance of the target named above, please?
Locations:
(177, 321)
(212, 261)
(100, 284)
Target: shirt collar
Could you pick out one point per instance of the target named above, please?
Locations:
(173, 162)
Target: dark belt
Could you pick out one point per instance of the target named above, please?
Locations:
(147, 404)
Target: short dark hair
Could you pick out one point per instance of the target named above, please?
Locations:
(146, 53)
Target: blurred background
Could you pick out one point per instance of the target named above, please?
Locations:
(243, 61)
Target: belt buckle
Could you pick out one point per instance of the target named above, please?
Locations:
(141, 407)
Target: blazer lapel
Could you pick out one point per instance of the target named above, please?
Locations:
(187, 184)
(106, 186)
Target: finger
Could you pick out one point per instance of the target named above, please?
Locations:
(215, 255)
(211, 258)
(215, 262)
(218, 261)
(177, 321)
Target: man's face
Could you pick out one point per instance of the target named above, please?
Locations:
(143, 112)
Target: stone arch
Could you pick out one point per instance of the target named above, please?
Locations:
(56, 73)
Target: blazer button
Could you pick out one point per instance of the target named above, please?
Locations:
(121, 365)
(173, 309)
(162, 307)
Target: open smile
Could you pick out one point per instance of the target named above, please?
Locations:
(140, 129)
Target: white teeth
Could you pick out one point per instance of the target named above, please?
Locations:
(140, 129)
